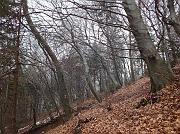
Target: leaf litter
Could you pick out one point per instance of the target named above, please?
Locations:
(132, 109)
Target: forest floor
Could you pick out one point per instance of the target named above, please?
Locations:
(132, 110)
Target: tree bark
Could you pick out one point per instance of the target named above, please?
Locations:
(159, 73)
(61, 83)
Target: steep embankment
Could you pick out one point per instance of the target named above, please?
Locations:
(131, 110)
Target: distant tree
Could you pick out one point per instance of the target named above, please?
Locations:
(168, 15)
(77, 48)
(174, 18)
(87, 76)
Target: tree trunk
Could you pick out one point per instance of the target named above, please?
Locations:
(34, 115)
(61, 83)
(172, 46)
(105, 67)
(15, 86)
(50, 92)
(167, 55)
(115, 63)
(130, 56)
(113, 53)
(86, 71)
(159, 73)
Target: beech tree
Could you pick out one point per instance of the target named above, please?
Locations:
(159, 72)
(61, 83)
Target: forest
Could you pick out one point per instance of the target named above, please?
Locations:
(72, 63)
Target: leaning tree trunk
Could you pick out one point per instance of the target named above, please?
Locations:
(88, 79)
(61, 82)
(159, 73)
(86, 71)
(109, 73)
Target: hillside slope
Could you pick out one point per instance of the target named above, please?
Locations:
(131, 110)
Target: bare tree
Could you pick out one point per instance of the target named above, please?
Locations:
(85, 63)
(159, 73)
(46, 47)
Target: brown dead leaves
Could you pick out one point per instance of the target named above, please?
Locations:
(157, 118)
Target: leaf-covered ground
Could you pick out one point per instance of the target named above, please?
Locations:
(131, 110)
